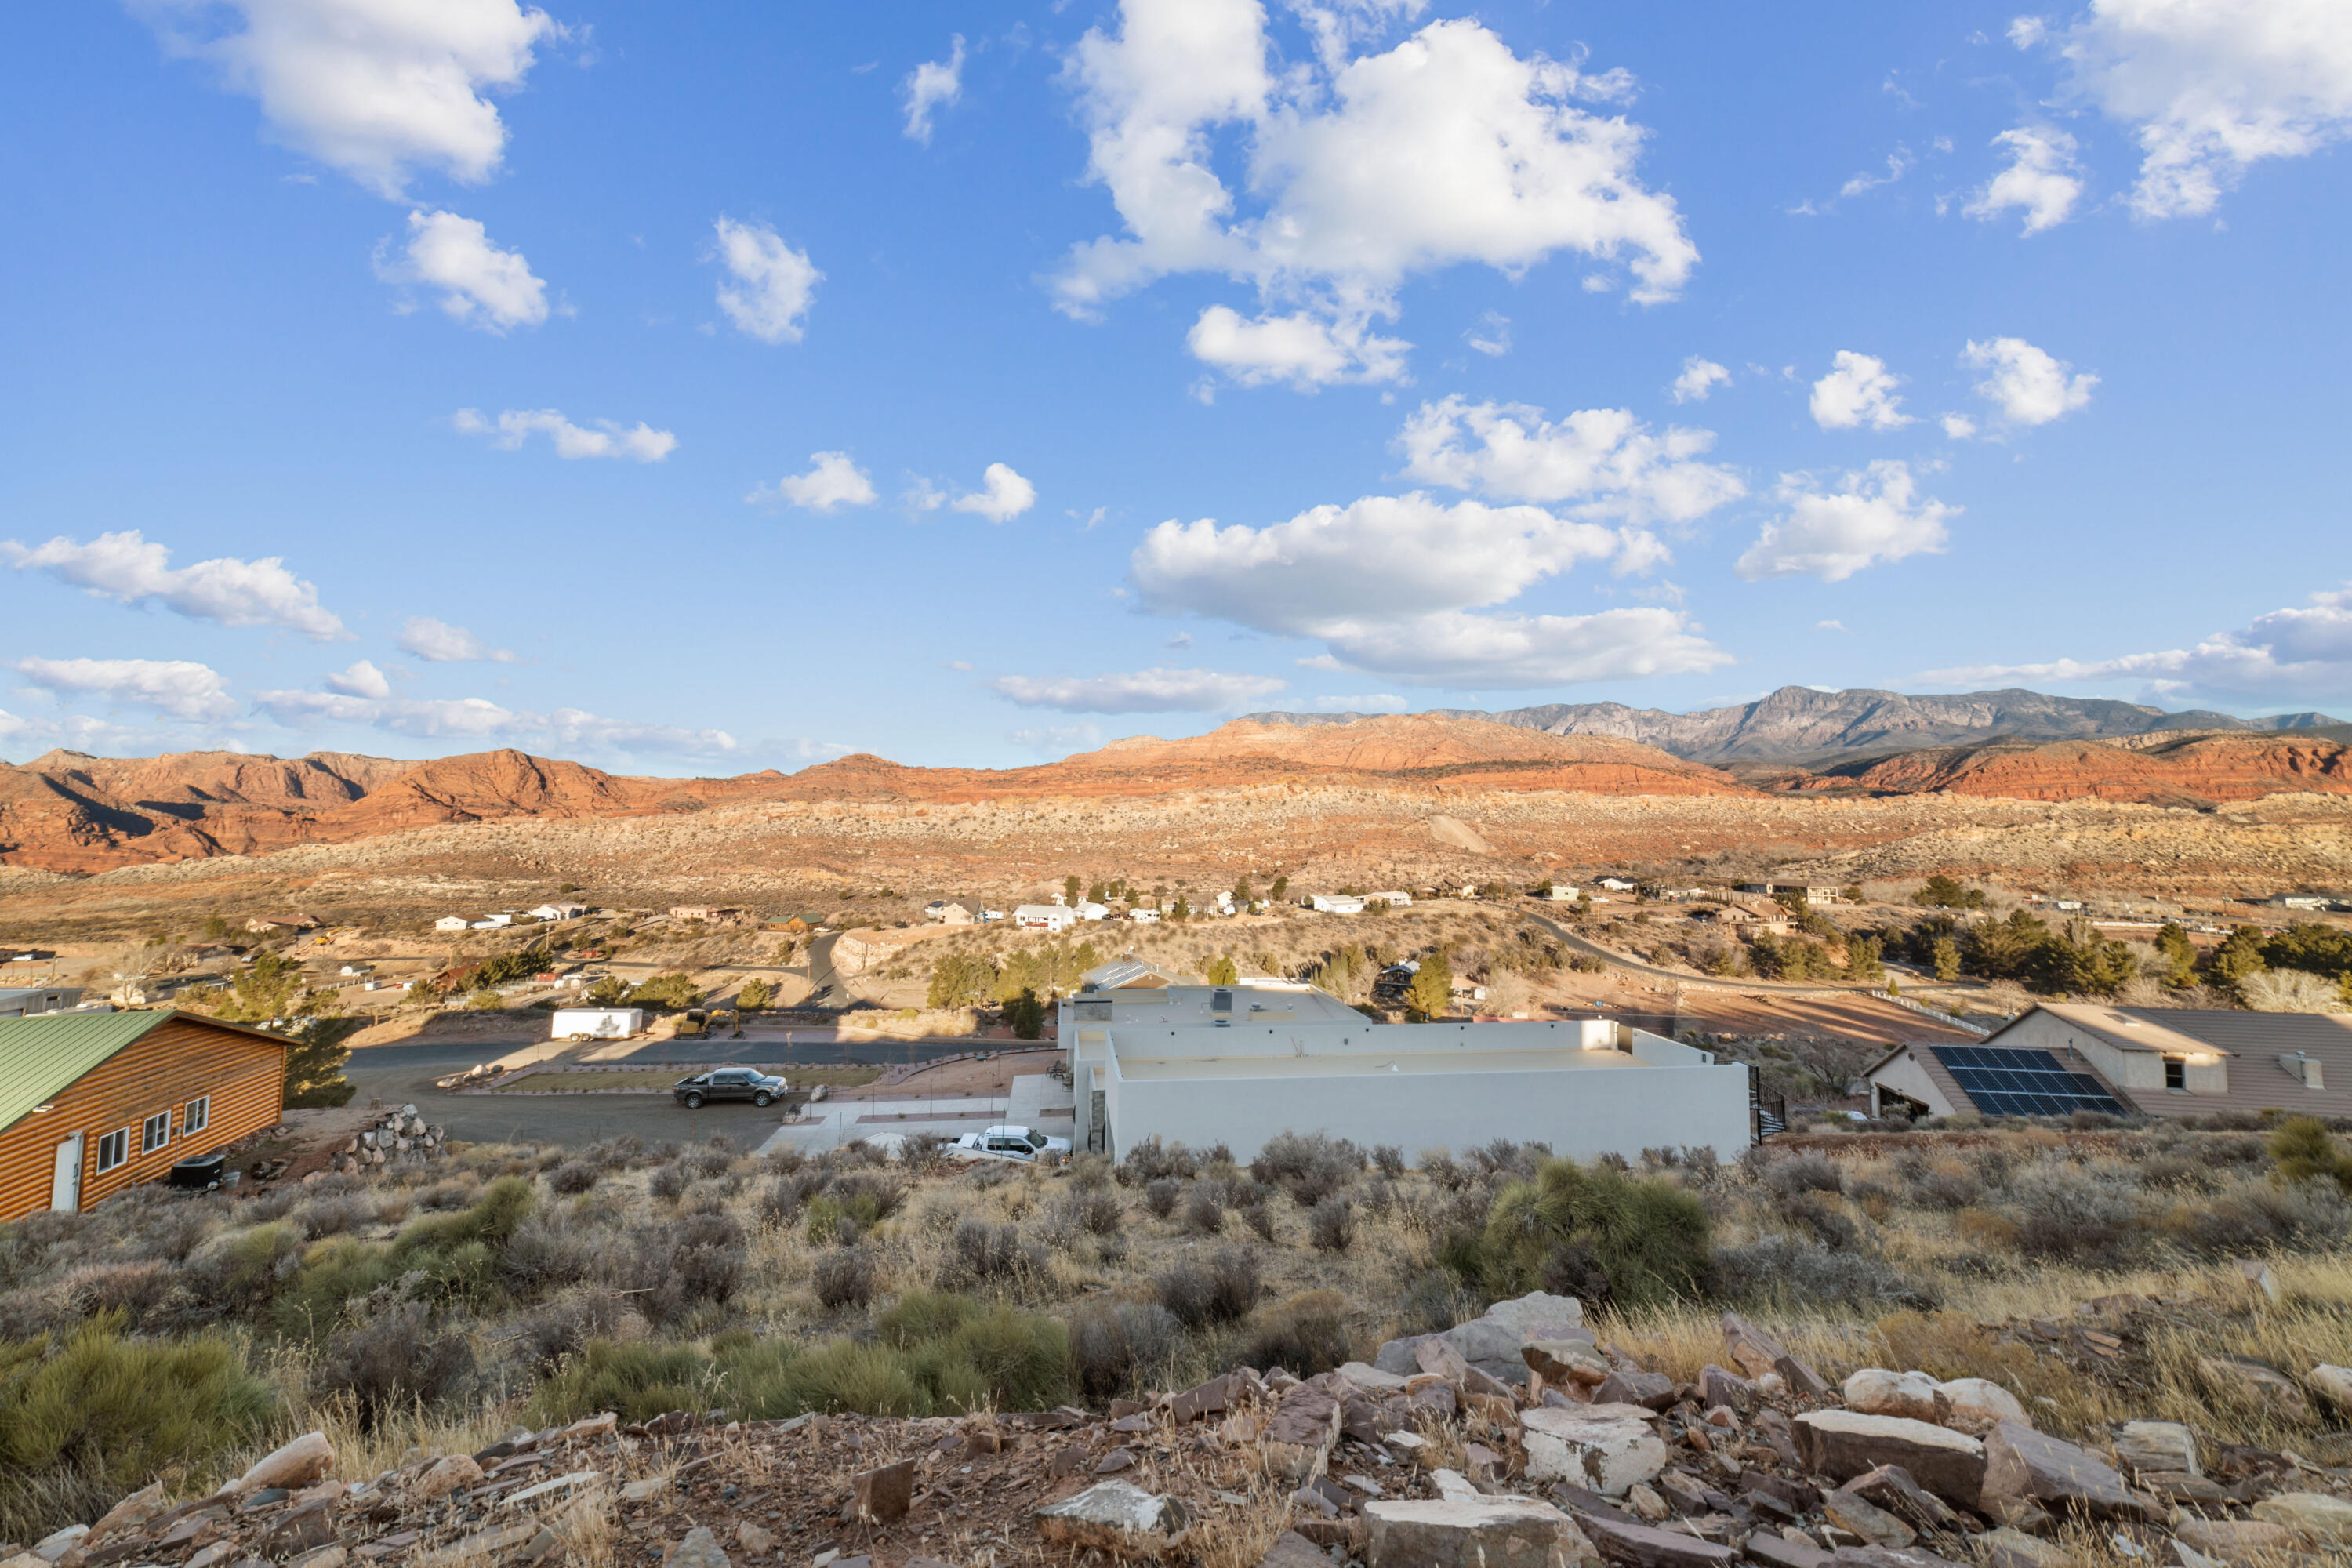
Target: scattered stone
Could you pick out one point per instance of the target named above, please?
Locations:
(701, 1549)
(2315, 1516)
(2023, 1464)
(2158, 1445)
(2258, 1277)
(2333, 1383)
(1842, 1445)
(1891, 1488)
(1759, 1355)
(335, 1556)
(299, 1531)
(644, 1490)
(1643, 1546)
(1874, 1391)
(1453, 1486)
(1647, 1503)
(1117, 1460)
(884, 1494)
(1114, 1517)
(2033, 1553)
(445, 1477)
(1653, 1390)
(1863, 1518)
(1292, 1550)
(2266, 1385)
(1372, 1379)
(1719, 1385)
(1564, 1361)
(1539, 1316)
(1300, 1435)
(130, 1513)
(1606, 1448)
(295, 1464)
(2235, 1539)
(1779, 1551)
(756, 1540)
(1975, 1405)
(554, 1484)
(1473, 1532)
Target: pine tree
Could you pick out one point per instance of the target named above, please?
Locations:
(314, 1064)
(1222, 971)
(1432, 991)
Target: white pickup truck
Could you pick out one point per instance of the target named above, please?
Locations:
(1018, 1143)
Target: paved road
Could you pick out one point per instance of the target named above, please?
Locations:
(826, 987)
(399, 1074)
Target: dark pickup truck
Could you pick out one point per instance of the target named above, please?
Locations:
(760, 1088)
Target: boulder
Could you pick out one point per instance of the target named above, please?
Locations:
(2235, 1539)
(2026, 1466)
(1539, 1316)
(1891, 1488)
(1372, 1379)
(1843, 1443)
(1779, 1551)
(1757, 1354)
(2316, 1517)
(1645, 1546)
(1210, 1398)
(130, 1513)
(1850, 1512)
(885, 1493)
(1292, 1550)
(1653, 1390)
(1438, 1357)
(1473, 1532)
(2163, 1446)
(1602, 1448)
(1975, 1405)
(2040, 1553)
(1402, 1357)
(1566, 1361)
(447, 1476)
(2333, 1383)
(294, 1464)
(1300, 1435)
(1114, 1517)
(1874, 1391)
(701, 1549)
(1720, 1385)
(2266, 1385)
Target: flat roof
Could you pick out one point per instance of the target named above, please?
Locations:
(1376, 1064)
(1177, 1006)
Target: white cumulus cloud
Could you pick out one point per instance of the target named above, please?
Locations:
(376, 89)
(1604, 459)
(1858, 390)
(1699, 377)
(2299, 654)
(1871, 517)
(2042, 179)
(2211, 87)
(1155, 691)
(1003, 496)
(362, 680)
(2027, 385)
(478, 720)
(481, 286)
(181, 687)
(1363, 170)
(833, 481)
(438, 642)
(770, 284)
(932, 86)
(1303, 348)
(1452, 649)
(130, 568)
(644, 444)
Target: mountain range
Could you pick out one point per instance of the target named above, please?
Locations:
(1802, 724)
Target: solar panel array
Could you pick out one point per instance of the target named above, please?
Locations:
(2007, 1081)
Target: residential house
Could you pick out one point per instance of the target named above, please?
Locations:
(1089, 910)
(493, 923)
(709, 914)
(285, 923)
(94, 1103)
(2155, 1061)
(454, 923)
(1144, 917)
(1337, 904)
(2302, 901)
(1563, 893)
(28, 1001)
(559, 911)
(1395, 901)
(1043, 917)
(1615, 884)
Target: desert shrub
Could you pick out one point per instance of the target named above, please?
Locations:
(1117, 1347)
(867, 1197)
(1089, 1172)
(670, 1183)
(1647, 1238)
(2308, 1216)
(130, 1290)
(1443, 1170)
(1332, 1225)
(1221, 1290)
(490, 1219)
(2068, 1214)
(170, 1233)
(1948, 1190)
(121, 1410)
(1203, 1215)
(706, 1264)
(242, 1270)
(1259, 1217)
(1018, 1360)
(1378, 1197)
(398, 1359)
(784, 1160)
(828, 1227)
(1795, 1174)
(981, 1255)
(1306, 1333)
(1160, 1195)
(1786, 1271)
(1390, 1159)
(574, 1176)
(778, 1204)
(1150, 1161)
(919, 1317)
(635, 1382)
(1826, 1224)
(844, 1278)
(715, 1158)
(333, 1214)
(842, 1376)
(564, 1327)
(1435, 1301)
(1308, 1167)
(540, 1257)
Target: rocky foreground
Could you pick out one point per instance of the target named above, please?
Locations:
(1513, 1440)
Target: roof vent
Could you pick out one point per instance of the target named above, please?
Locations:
(2304, 1065)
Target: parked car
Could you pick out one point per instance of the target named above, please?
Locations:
(760, 1088)
(1020, 1144)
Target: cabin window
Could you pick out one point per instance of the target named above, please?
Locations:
(113, 1149)
(2175, 1073)
(197, 1117)
(154, 1132)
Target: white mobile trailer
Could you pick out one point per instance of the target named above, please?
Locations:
(597, 1023)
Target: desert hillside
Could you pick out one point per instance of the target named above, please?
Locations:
(2195, 769)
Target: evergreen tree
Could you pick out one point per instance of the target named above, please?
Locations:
(1222, 971)
(754, 997)
(1281, 888)
(314, 1064)
(1070, 887)
(1432, 991)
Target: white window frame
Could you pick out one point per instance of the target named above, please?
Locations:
(151, 1137)
(195, 1116)
(119, 1142)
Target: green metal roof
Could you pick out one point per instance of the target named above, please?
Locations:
(43, 1055)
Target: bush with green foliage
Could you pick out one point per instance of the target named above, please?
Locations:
(961, 980)
(1222, 970)
(1941, 892)
(674, 990)
(755, 995)
(1431, 994)
(1635, 1241)
(1026, 1014)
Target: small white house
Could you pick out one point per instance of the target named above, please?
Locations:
(1563, 893)
(1614, 884)
(493, 923)
(1336, 904)
(1089, 910)
(596, 1022)
(1394, 900)
(1144, 917)
(452, 923)
(2300, 901)
(559, 911)
(1045, 916)
(356, 969)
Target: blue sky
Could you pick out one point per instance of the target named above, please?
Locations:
(701, 389)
